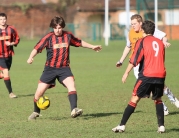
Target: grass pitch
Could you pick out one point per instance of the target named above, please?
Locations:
(101, 95)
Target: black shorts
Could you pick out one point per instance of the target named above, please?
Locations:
(144, 87)
(49, 75)
(5, 63)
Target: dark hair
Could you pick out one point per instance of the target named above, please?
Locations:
(57, 20)
(3, 15)
(138, 17)
(148, 27)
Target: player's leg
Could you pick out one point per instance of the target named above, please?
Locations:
(42, 87)
(157, 94)
(165, 109)
(1, 74)
(7, 82)
(5, 65)
(72, 95)
(65, 77)
(47, 78)
(160, 115)
(139, 90)
(171, 96)
(127, 113)
(166, 112)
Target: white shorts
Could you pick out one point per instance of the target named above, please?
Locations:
(136, 71)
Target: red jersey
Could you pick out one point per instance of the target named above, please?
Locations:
(8, 34)
(150, 53)
(57, 48)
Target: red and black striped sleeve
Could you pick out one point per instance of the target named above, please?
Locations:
(74, 41)
(14, 35)
(43, 42)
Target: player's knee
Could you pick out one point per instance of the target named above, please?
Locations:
(135, 99)
(158, 101)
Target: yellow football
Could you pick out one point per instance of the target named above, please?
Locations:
(43, 102)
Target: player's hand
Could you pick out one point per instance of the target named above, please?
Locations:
(97, 48)
(30, 60)
(8, 43)
(124, 77)
(166, 44)
(118, 64)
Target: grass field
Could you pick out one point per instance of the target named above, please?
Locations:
(101, 95)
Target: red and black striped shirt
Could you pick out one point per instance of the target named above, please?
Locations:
(57, 48)
(150, 53)
(8, 34)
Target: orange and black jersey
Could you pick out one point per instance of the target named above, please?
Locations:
(150, 53)
(58, 48)
(8, 34)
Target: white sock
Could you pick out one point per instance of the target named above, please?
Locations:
(169, 94)
(164, 106)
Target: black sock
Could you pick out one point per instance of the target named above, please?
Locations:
(160, 113)
(36, 109)
(127, 113)
(7, 82)
(72, 96)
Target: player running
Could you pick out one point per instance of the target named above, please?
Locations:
(8, 39)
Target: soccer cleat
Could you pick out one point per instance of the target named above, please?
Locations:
(33, 116)
(176, 103)
(166, 112)
(76, 112)
(119, 129)
(161, 129)
(12, 95)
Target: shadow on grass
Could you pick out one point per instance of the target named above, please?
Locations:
(58, 118)
(87, 116)
(27, 95)
(90, 116)
(174, 113)
(137, 112)
(96, 115)
(173, 130)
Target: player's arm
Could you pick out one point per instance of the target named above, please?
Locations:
(90, 46)
(165, 42)
(129, 68)
(123, 57)
(10, 43)
(32, 55)
(135, 59)
(162, 36)
(15, 38)
(125, 53)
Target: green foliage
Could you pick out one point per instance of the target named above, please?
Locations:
(24, 7)
(66, 3)
(101, 95)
